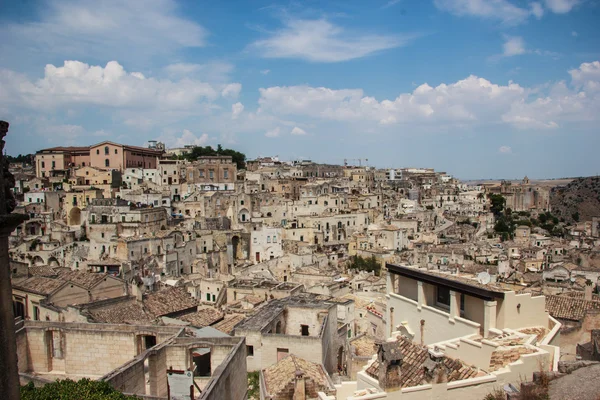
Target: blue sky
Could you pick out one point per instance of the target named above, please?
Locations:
(476, 88)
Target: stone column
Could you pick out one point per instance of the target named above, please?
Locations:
(489, 317)
(454, 304)
(9, 376)
(391, 282)
(420, 295)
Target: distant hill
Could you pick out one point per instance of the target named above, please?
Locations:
(576, 201)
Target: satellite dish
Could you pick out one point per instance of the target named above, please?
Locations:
(484, 278)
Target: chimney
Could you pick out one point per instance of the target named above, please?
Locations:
(589, 289)
(137, 291)
(300, 390)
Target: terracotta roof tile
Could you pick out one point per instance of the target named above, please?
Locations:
(228, 324)
(39, 285)
(571, 308)
(281, 377)
(202, 318)
(168, 301)
(412, 371)
(128, 312)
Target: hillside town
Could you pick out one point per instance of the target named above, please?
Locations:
(273, 279)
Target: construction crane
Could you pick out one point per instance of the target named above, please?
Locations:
(360, 160)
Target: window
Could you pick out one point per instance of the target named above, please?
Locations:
(201, 360)
(97, 151)
(116, 151)
(107, 163)
(36, 313)
(304, 330)
(274, 239)
(43, 165)
(226, 174)
(250, 351)
(211, 173)
(106, 150)
(268, 239)
(53, 164)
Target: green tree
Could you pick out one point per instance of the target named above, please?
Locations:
(71, 390)
(498, 202)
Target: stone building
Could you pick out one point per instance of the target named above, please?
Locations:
(134, 359)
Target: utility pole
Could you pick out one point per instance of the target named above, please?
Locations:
(9, 378)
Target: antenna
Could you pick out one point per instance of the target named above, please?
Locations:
(484, 278)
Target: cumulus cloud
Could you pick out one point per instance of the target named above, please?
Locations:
(273, 132)
(187, 138)
(472, 100)
(587, 76)
(77, 83)
(513, 46)
(236, 110)
(505, 150)
(561, 6)
(232, 90)
(130, 30)
(298, 131)
(574, 34)
(322, 41)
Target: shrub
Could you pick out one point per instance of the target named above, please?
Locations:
(71, 390)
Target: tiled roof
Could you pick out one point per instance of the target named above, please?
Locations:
(42, 270)
(228, 323)
(128, 312)
(571, 308)
(412, 371)
(202, 318)
(168, 301)
(364, 346)
(282, 376)
(86, 279)
(580, 295)
(39, 285)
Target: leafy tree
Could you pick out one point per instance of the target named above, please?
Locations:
(575, 216)
(498, 202)
(199, 151)
(21, 158)
(71, 390)
(365, 264)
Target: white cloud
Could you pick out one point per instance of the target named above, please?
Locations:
(537, 10)
(297, 131)
(265, 71)
(273, 132)
(236, 110)
(513, 46)
(186, 138)
(390, 3)
(574, 34)
(561, 6)
(76, 83)
(470, 101)
(505, 150)
(587, 76)
(232, 90)
(501, 10)
(322, 41)
(126, 30)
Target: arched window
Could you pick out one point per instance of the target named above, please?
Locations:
(107, 163)
(105, 149)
